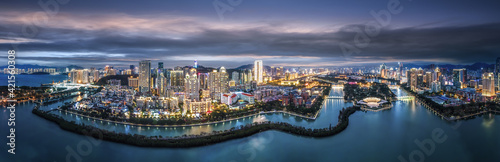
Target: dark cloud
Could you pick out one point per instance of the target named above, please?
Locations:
(124, 38)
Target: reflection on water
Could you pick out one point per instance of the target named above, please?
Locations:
(328, 115)
(488, 120)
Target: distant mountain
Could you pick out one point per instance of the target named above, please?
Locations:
(250, 66)
(26, 66)
(73, 67)
(475, 66)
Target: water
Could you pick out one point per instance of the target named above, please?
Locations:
(371, 136)
(32, 80)
(328, 115)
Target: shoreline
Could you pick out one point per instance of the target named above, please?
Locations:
(199, 124)
(450, 118)
(202, 139)
(189, 125)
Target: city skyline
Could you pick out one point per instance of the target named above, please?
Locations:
(177, 34)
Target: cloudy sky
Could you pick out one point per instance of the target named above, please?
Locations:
(92, 33)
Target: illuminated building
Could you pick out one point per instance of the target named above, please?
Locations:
(258, 71)
(192, 85)
(488, 84)
(197, 107)
(133, 82)
(144, 75)
(218, 83)
(459, 78)
(235, 77)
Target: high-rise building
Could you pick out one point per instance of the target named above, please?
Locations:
(162, 84)
(235, 76)
(488, 84)
(144, 75)
(428, 79)
(79, 76)
(400, 70)
(435, 86)
(133, 82)
(258, 71)
(413, 78)
(176, 82)
(192, 85)
(218, 83)
(459, 78)
(195, 64)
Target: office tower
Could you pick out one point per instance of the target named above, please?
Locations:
(258, 71)
(383, 70)
(203, 78)
(195, 64)
(192, 85)
(488, 84)
(420, 80)
(428, 79)
(413, 73)
(459, 77)
(235, 77)
(249, 76)
(175, 80)
(400, 70)
(162, 84)
(438, 73)
(408, 78)
(243, 77)
(144, 75)
(218, 83)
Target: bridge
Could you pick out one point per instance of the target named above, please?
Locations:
(405, 97)
(323, 80)
(393, 86)
(334, 84)
(337, 85)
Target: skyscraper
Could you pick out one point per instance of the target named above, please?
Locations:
(459, 78)
(192, 85)
(258, 71)
(236, 77)
(488, 84)
(218, 83)
(144, 75)
(400, 70)
(412, 78)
